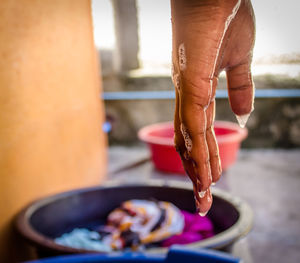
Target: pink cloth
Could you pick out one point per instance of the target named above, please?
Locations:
(195, 229)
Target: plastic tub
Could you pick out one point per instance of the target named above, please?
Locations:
(159, 138)
(50, 217)
(175, 255)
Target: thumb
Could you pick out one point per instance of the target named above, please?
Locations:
(241, 91)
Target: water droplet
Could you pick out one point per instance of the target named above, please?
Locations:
(242, 120)
(203, 213)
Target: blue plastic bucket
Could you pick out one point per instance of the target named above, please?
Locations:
(175, 255)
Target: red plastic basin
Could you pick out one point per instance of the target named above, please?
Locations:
(159, 137)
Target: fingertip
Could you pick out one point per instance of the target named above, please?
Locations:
(204, 204)
(203, 213)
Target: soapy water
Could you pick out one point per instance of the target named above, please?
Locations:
(175, 78)
(203, 213)
(172, 72)
(189, 145)
(181, 57)
(202, 194)
(187, 138)
(176, 82)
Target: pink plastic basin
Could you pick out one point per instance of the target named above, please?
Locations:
(159, 137)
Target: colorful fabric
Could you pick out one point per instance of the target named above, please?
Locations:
(139, 223)
(195, 229)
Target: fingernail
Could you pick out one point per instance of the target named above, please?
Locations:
(213, 183)
(203, 213)
(242, 120)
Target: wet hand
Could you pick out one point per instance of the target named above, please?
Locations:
(209, 36)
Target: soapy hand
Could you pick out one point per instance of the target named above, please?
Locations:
(209, 36)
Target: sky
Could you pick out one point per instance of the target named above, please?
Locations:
(277, 31)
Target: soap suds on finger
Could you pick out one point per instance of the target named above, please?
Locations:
(181, 57)
(187, 138)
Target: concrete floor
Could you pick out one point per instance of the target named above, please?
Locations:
(269, 180)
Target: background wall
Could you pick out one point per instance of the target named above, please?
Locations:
(274, 123)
